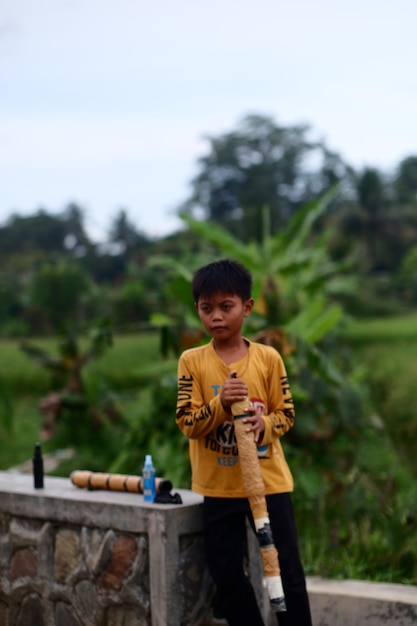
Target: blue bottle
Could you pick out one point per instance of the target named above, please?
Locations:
(148, 475)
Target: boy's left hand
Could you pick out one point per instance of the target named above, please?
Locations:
(255, 421)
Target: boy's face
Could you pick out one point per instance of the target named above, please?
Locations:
(222, 314)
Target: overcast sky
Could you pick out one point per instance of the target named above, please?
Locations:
(106, 102)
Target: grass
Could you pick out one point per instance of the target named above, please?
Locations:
(17, 441)
(129, 355)
(383, 329)
(23, 384)
(388, 348)
(120, 365)
(17, 371)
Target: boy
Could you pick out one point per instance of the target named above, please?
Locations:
(210, 379)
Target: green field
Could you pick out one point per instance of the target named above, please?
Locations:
(388, 350)
(23, 383)
(379, 329)
(128, 354)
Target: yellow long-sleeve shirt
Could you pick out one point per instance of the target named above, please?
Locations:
(201, 417)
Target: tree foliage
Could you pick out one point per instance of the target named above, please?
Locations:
(57, 290)
(261, 164)
(252, 181)
(42, 232)
(405, 183)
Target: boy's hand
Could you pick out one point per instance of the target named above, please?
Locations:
(234, 390)
(256, 422)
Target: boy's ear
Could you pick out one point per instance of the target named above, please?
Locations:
(248, 306)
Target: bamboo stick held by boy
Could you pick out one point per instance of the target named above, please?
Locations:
(255, 491)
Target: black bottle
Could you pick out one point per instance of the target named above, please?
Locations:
(38, 467)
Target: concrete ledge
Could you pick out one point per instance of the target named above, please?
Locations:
(62, 501)
(361, 603)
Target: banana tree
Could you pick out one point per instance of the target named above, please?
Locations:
(82, 403)
(295, 287)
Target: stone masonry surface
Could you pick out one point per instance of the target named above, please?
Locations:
(70, 557)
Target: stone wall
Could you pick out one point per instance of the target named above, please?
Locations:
(71, 557)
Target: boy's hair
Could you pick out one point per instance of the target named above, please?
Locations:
(224, 276)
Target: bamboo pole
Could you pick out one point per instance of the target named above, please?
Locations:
(255, 491)
(115, 482)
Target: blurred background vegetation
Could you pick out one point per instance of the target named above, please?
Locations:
(90, 334)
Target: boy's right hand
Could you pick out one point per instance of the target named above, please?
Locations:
(234, 390)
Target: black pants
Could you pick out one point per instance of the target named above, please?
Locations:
(224, 521)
